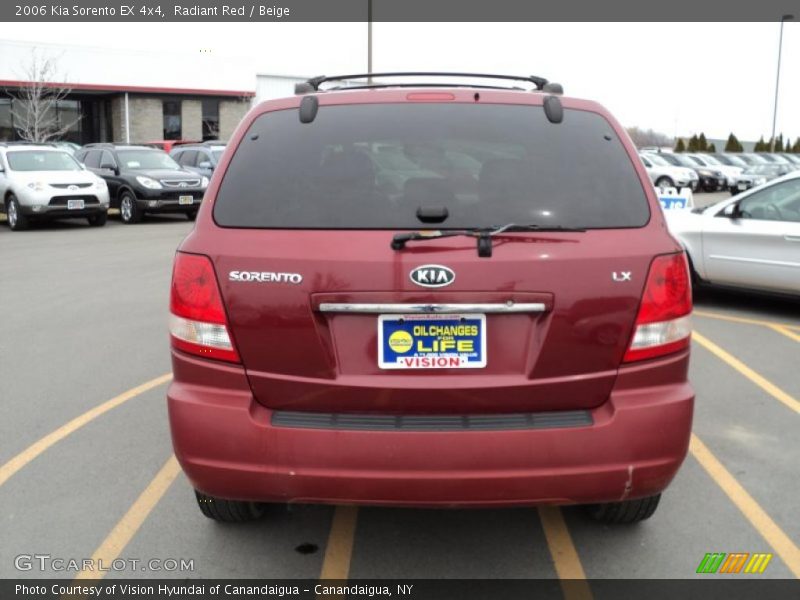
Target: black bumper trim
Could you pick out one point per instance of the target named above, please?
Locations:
(492, 422)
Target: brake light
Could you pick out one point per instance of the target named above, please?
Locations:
(198, 324)
(663, 325)
(430, 96)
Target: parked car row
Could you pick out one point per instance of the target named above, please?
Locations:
(735, 172)
(51, 181)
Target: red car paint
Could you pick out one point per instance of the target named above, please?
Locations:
(290, 356)
(168, 145)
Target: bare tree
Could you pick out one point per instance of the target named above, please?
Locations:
(649, 137)
(35, 109)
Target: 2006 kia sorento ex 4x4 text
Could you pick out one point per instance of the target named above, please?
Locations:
(406, 296)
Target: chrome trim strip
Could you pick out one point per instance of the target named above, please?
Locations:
(439, 309)
(757, 261)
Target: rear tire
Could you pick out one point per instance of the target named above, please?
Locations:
(696, 281)
(626, 512)
(16, 220)
(98, 220)
(228, 511)
(129, 211)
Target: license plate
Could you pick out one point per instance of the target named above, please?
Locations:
(74, 204)
(742, 186)
(185, 199)
(432, 341)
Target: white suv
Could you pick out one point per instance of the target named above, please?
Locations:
(663, 174)
(41, 181)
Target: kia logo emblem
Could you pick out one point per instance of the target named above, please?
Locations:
(432, 276)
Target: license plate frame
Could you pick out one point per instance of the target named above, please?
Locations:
(185, 200)
(76, 204)
(423, 357)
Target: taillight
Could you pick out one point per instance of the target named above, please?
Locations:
(663, 325)
(198, 324)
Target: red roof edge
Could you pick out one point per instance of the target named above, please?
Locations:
(134, 89)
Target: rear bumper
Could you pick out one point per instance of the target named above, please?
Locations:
(228, 447)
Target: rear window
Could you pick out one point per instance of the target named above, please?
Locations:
(372, 166)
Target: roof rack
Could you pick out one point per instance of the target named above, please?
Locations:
(312, 85)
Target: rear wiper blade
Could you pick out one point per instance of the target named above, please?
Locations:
(483, 234)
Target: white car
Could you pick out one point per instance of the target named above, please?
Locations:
(663, 174)
(732, 173)
(44, 182)
(750, 241)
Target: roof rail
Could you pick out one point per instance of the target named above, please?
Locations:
(312, 85)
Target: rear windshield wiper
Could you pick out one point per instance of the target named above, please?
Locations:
(484, 235)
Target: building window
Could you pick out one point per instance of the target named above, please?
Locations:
(6, 124)
(63, 117)
(210, 120)
(172, 120)
(69, 120)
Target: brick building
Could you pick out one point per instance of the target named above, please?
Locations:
(131, 96)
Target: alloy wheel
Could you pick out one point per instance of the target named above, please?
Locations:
(126, 209)
(12, 214)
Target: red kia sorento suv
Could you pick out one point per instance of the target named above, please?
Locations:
(446, 295)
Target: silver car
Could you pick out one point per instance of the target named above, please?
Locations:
(43, 182)
(663, 174)
(751, 241)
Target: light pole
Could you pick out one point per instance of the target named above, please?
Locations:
(369, 39)
(784, 18)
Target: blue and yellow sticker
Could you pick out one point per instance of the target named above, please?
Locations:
(432, 341)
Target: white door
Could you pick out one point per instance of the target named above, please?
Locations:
(760, 247)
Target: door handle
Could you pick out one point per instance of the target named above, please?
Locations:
(792, 238)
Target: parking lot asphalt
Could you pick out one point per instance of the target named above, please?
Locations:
(86, 465)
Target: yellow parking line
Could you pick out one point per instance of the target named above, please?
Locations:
(338, 552)
(762, 382)
(37, 448)
(130, 523)
(745, 320)
(565, 557)
(786, 331)
(769, 530)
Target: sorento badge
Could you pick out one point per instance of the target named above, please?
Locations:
(433, 276)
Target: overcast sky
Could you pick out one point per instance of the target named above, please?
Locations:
(678, 78)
